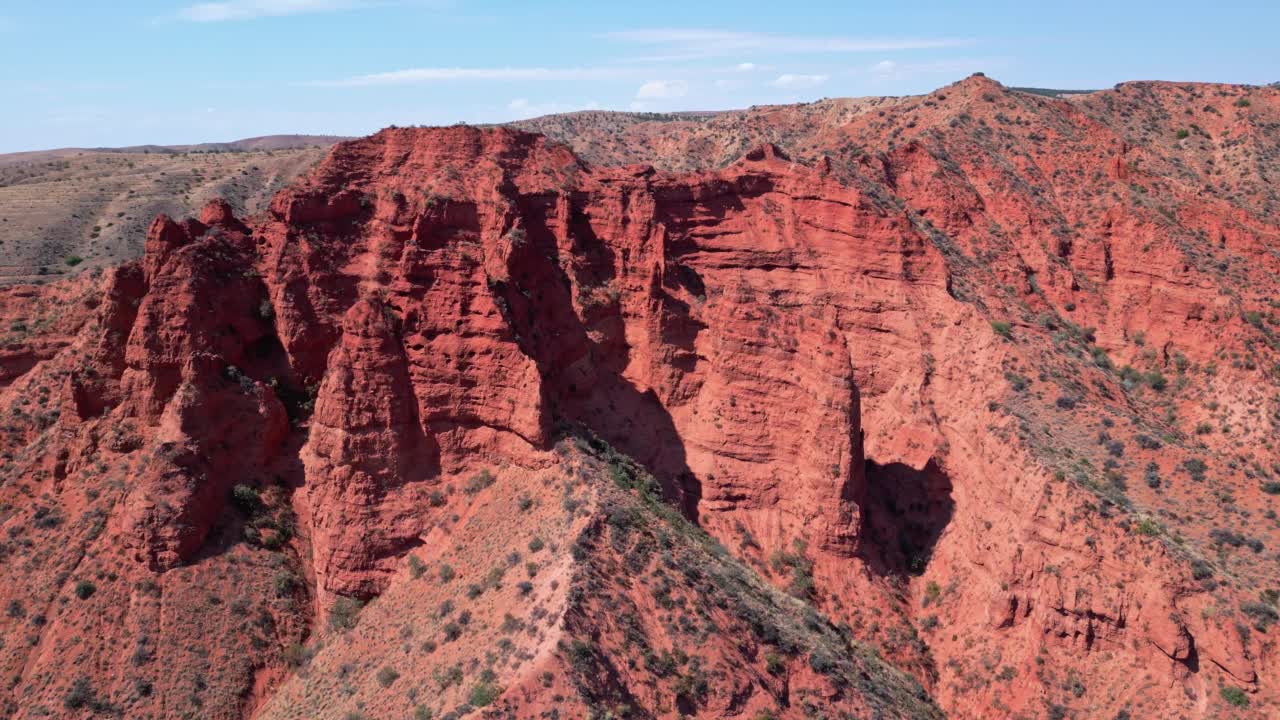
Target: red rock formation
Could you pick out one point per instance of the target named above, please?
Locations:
(943, 366)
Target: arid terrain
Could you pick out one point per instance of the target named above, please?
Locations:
(956, 405)
(64, 211)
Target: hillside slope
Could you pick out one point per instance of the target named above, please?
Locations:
(64, 211)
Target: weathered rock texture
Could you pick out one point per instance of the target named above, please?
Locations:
(988, 376)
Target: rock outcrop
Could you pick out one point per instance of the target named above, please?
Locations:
(990, 378)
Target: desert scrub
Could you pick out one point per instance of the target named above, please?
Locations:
(344, 613)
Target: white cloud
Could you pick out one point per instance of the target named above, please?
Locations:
(249, 9)
(684, 44)
(416, 76)
(794, 81)
(884, 68)
(662, 89)
(745, 67)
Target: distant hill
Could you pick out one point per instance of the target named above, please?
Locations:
(253, 144)
(80, 207)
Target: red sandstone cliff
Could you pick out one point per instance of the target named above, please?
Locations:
(990, 378)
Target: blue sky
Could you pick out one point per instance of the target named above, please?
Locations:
(146, 71)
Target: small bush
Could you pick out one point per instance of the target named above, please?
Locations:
(1146, 442)
(536, 544)
(285, 583)
(80, 694)
(1234, 696)
(246, 498)
(344, 613)
(73, 260)
(1262, 614)
(1002, 328)
(1017, 382)
(1147, 527)
(478, 482)
(447, 573)
(85, 589)
(387, 675)
(1152, 475)
(1196, 468)
(483, 693)
(821, 662)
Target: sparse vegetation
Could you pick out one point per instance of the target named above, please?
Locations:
(344, 613)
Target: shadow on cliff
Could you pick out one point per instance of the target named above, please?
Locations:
(906, 511)
(582, 358)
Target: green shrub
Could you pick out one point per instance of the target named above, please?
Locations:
(1196, 468)
(1148, 527)
(447, 677)
(80, 694)
(246, 498)
(1017, 382)
(1262, 614)
(447, 573)
(73, 260)
(296, 655)
(483, 693)
(344, 613)
(1146, 442)
(1234, 696)
(821, 662)
(478, 482)
(285, 583)
(1002, 328)
(85, 589)
(387, 675)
